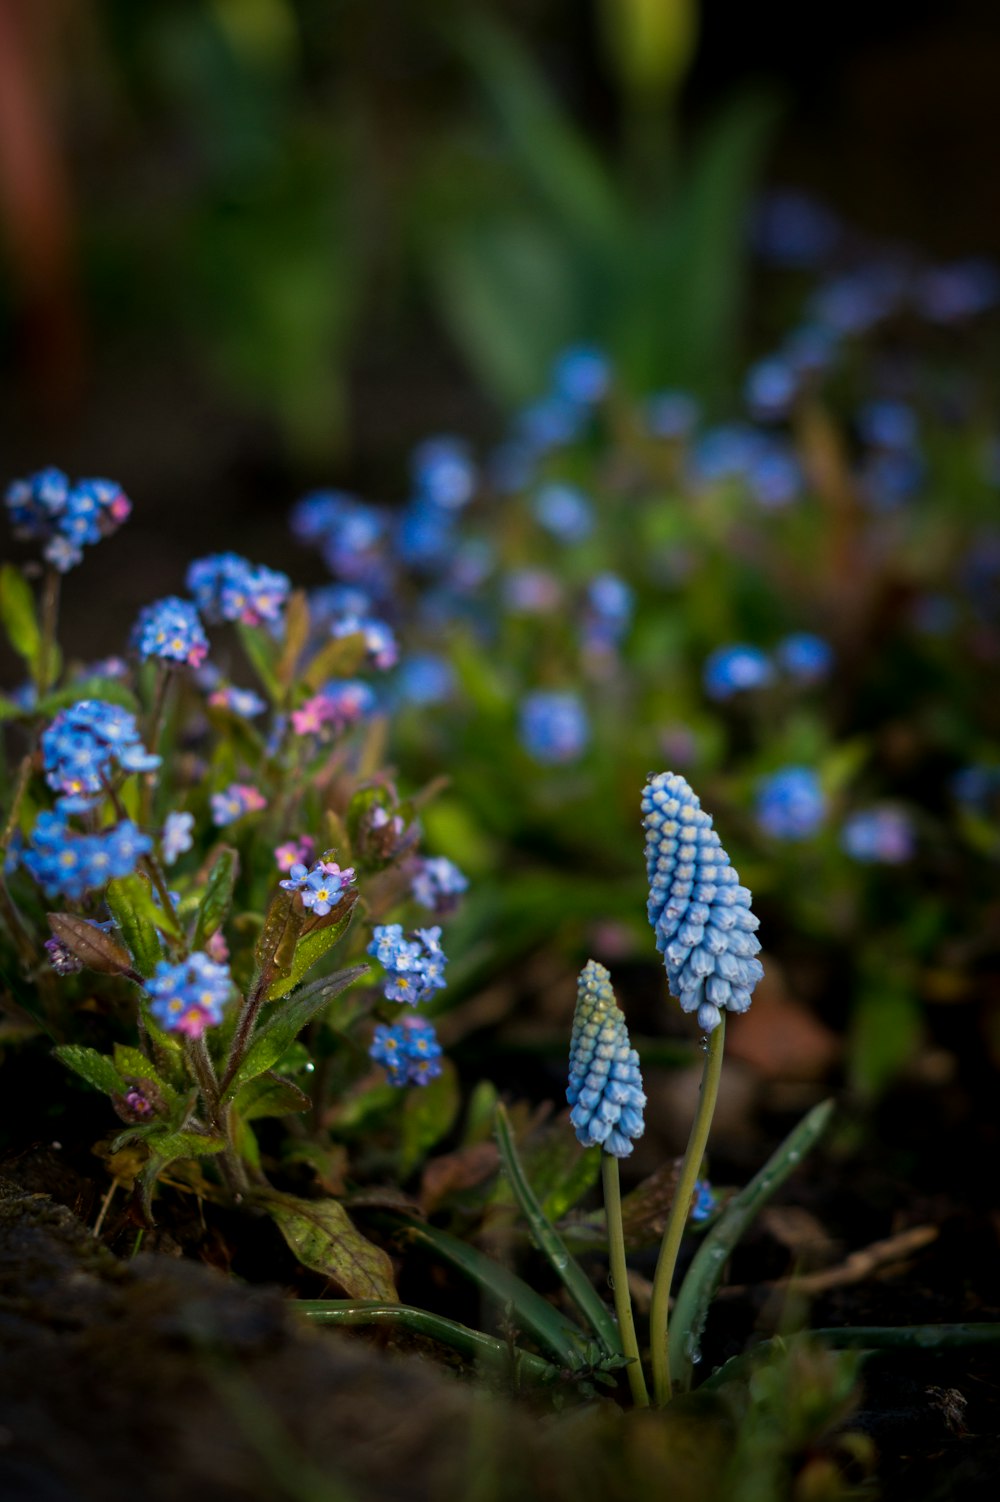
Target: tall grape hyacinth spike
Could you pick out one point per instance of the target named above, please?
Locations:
(605, 1086)
(700, 914)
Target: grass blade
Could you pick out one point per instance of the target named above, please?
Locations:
(561, 1338)
(547, 1239)
(860, 1338)
(500, 1357)
(705, 1273)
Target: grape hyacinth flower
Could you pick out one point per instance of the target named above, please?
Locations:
(700, 914)
(46, 508)
(553, 727)
(227, 587)
(189, 997)
(438, 884)
(235, 801)
(414, 966)
(605, 1083)
(176, 838)
(881, 835)
(409, 1052)
(791, 804)
(83, 746)
(171, 631)
(736, 669)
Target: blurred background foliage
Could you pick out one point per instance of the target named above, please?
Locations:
(325, 221)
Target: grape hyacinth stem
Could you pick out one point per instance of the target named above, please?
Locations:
(619, 1278)
(677, 1219)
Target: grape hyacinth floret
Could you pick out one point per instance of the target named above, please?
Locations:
(45, 507)
(83, 746)
(171, 631)
(227, 587)
(409, 1052)
(189, 997)
(414, 966)
(700, 914)
(605, 1084)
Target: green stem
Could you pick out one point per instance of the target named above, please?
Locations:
(619, 1278)
(497, 1354)
(676, 1221)
(154, 730)
(50, 619)
(203, 1070)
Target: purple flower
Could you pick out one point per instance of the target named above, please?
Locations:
(880, 835)
(235, 801)
(438, 884)
(46, 508)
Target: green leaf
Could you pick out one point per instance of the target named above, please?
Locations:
(111, 690)
(9, 710)
(885, 1030)
(267, 1095)
(17, 611)
(340, 658)
(275, 951)
(217, 896)
(129, 900)
(276, 1035)
(428, 1113)
(133, 1064)
(96, 1068)
(262, 653)
(323, 1237)
(92, 946)
(173, 1145)
(703, 1277)
(315, 945)
(548, 1240)
(296, 636)
(562, 1339)
(498, 1356)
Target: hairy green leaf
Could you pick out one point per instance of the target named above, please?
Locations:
(323, 1237)
(96, 1068)
(275, 1035)
(217, 896)
(92, 946)
(129, 900)
(18, 613)
(315, 945)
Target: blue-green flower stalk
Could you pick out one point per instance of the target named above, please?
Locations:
(705, 931)
(605, 1093)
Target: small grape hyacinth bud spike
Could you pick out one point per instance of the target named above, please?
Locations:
(699, 912)
(605, 1085)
